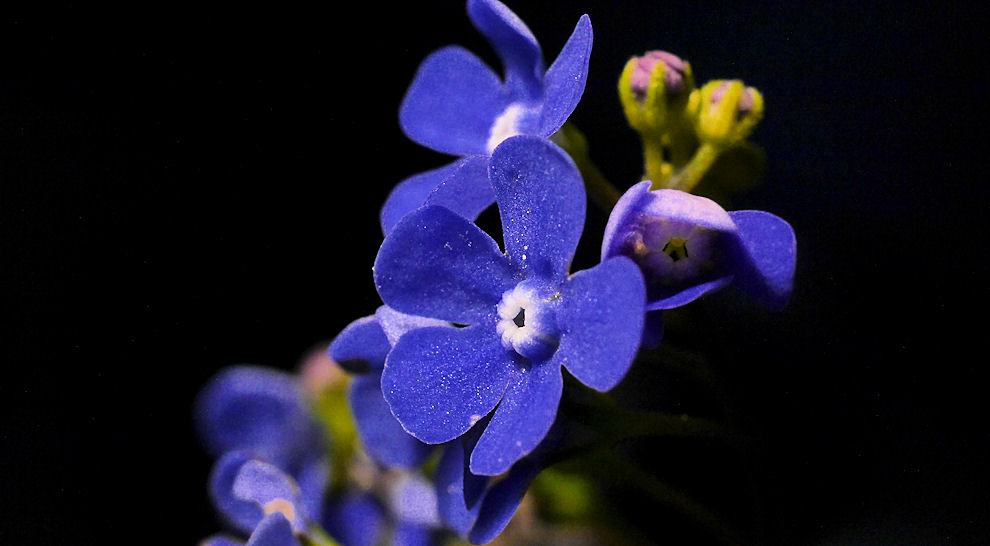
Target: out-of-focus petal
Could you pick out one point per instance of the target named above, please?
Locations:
(240, 513)
(452, 103)
(514, 43)
(541, 201)
(221, 540)
(356, 520)
(601, 322)
(440, 381)
(413, 500)
(521, 420)
(381, 434)
(413, 534)
(271, 489)
(436, 264)
(274, 530)
(771, 251)
(564, 81)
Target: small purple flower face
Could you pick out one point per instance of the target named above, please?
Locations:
(687, 246)
(674, 74)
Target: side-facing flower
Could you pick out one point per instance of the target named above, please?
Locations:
(459, 106)
(525, 317)
(687, 245)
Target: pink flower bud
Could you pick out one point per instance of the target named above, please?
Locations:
(673, 74)
(745, 100)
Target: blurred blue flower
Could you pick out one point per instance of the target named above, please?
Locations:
(458, 105)
(257, 498)
(261, 413)
(687, 245)
(407, 517)
(524, 315)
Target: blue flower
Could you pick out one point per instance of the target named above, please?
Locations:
(524, 315)
(261, 413)
(258, 499)
(687, 246)
(408, 517)
(361, 349)
(458, 105)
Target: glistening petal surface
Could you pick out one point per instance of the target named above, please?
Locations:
(601, 320)
(436, 264)
(565, 80)
(452, 103)
(440, 381)
(521, 420)
(541, 200)
(361, 346)
(381, 434)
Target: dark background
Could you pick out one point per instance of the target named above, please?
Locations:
(188, 188)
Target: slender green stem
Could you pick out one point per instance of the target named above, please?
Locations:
(686, 178)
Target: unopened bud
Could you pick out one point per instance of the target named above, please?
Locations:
(674, 74)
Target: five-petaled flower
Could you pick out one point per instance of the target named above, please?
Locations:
(524, 316)
(459, 106)
(687, 245)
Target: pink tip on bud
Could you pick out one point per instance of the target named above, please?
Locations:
(318, 371)
(745, 100)
(673, 74)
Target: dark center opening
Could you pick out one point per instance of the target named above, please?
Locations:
(676, 248)
(520, 319)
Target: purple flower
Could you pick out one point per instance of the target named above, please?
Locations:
(458, 105)
(524, 316)
(687, 246)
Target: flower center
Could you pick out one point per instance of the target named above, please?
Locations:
(672, 253)
(527, 323)
(510, 123)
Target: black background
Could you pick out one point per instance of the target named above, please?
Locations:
(186, 188)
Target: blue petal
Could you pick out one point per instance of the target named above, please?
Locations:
(436, 264)
(242, 514)
(396, 324)
(501, 502)
(440, 381)
(313, 479)
(413, 534)
(221, 540)
(411, 193)
(771, 250)
(256, 409)
(381, 434)
(356, 520)
(262, 483)
(361, 346)
(689, 294)
(565, 79)
(465, 191)
(601, 320)
(449, 483)
(521, 421)
(274, 530)
(413, 500)
(542, 203)
(514, 43)
(452, 103)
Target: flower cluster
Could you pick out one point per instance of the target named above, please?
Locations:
(454, 385)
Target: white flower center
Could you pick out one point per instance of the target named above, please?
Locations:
(507, 125)
(526, 323)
